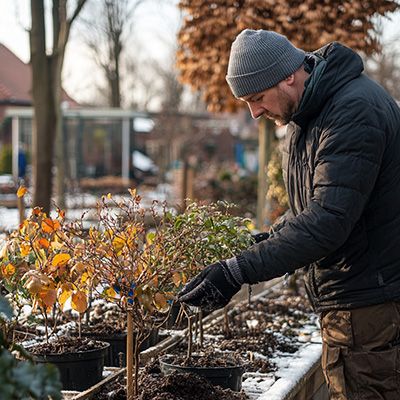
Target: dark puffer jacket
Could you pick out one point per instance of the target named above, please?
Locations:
(342, 172)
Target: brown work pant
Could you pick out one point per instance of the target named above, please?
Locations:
(361, 352)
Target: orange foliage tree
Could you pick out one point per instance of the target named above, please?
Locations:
(209, 27)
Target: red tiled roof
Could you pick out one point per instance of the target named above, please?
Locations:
(15, 79)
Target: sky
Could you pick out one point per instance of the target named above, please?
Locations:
(154, 31)
(156, 24)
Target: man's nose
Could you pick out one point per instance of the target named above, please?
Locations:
(255, 110)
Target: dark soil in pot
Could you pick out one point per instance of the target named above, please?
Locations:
(220, 369)
(116, 354)
(80, 361)
(230, 348)
(176, 386)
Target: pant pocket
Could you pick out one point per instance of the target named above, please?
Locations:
(333, 368)
(376, 374)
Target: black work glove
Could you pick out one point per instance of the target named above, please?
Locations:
(259, 237)
(213, 287)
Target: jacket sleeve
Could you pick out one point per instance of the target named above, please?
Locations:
(281, 222)
(346, 167)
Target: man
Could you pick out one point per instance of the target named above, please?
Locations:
(341, 167)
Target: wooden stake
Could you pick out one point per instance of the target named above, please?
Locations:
(129, 357)
(21, 209)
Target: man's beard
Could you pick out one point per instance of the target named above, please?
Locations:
(287, 106)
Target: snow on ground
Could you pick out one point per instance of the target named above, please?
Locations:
(80, 203)
(291, 371)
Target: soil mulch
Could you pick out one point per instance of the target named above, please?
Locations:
(66, 345)
(176, 386)
(209, 359)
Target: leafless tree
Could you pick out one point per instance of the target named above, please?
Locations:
(107, 33)
(384, 66)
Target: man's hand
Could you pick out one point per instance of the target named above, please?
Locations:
(213, 288)
(260, 237)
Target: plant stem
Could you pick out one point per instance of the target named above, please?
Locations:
(136, 362)
(80, 326)
(46, 325)
(201, 328)
(190, 339)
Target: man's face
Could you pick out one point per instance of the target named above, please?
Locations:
(274, 103)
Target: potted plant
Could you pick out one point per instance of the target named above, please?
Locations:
(133, 269)
(20, 377)
(39, 255)
(210, 233)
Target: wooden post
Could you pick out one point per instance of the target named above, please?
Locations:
(15, 148)
(21, 209)
(184, 183)
(190, 183)
(129, 358)
(265, 135)
(126, 152)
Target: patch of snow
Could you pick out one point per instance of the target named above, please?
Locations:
(291, 372)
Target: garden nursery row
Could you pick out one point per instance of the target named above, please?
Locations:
(99, 303)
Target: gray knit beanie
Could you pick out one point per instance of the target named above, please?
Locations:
(259, 60)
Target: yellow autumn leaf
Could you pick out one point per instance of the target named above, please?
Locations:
(79, 302)
(150, 238)
(110, 292)
(25, 249)
(21, 191)
(132, 192)
(118, 243)
(84, 277)
(8, 270)
(60, 259)
(176, 278)
(63, 297)
(56, 245)
(184, 278)
(160, 301)
(250, 226)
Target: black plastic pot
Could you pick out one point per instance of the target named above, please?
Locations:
(78, 371)
(117, 343)
(226, 377)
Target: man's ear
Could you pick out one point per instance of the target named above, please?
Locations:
(290, 80)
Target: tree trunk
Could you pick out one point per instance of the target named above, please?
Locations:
(44, 122)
